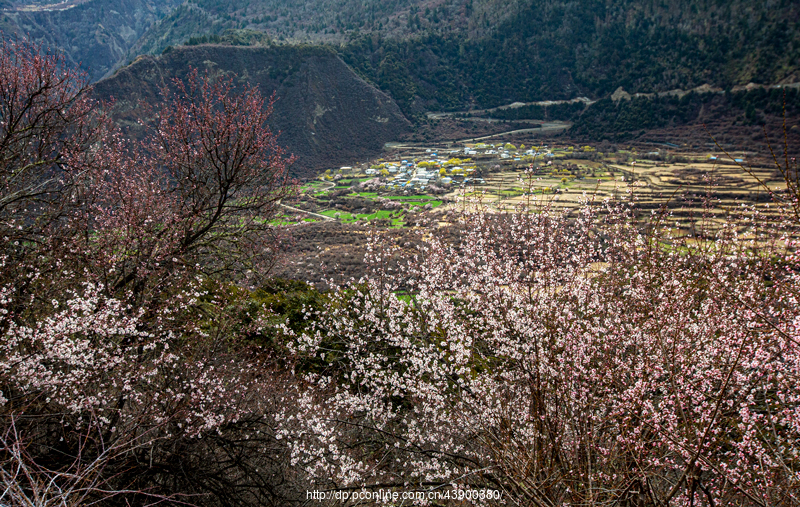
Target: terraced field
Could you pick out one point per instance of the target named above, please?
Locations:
(689, 185)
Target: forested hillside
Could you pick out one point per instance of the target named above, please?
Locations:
(754, 108)
(456, 53)
(560, 50)
(332, 20)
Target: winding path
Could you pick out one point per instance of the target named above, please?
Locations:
(546, 127)
(330, 219)
(308, 212)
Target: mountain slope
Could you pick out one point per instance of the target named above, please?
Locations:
(449, 54)
(550, 49)
(327, 115)
(95, 34)
(454, 55)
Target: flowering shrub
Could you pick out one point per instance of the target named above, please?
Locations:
(124, 369)
(566, 358)
(370, 184)
(388, 204)
(47, 129)
(90, 356)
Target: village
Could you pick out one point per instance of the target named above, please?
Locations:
(431, 168)
(410, 180)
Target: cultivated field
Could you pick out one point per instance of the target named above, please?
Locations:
(689, 184)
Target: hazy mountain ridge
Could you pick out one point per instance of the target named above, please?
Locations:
(326, 114)
(95, 34)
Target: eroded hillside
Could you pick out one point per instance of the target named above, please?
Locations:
(326, 114)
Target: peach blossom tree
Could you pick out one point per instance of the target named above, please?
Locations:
(566, 358)
(121, 336)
